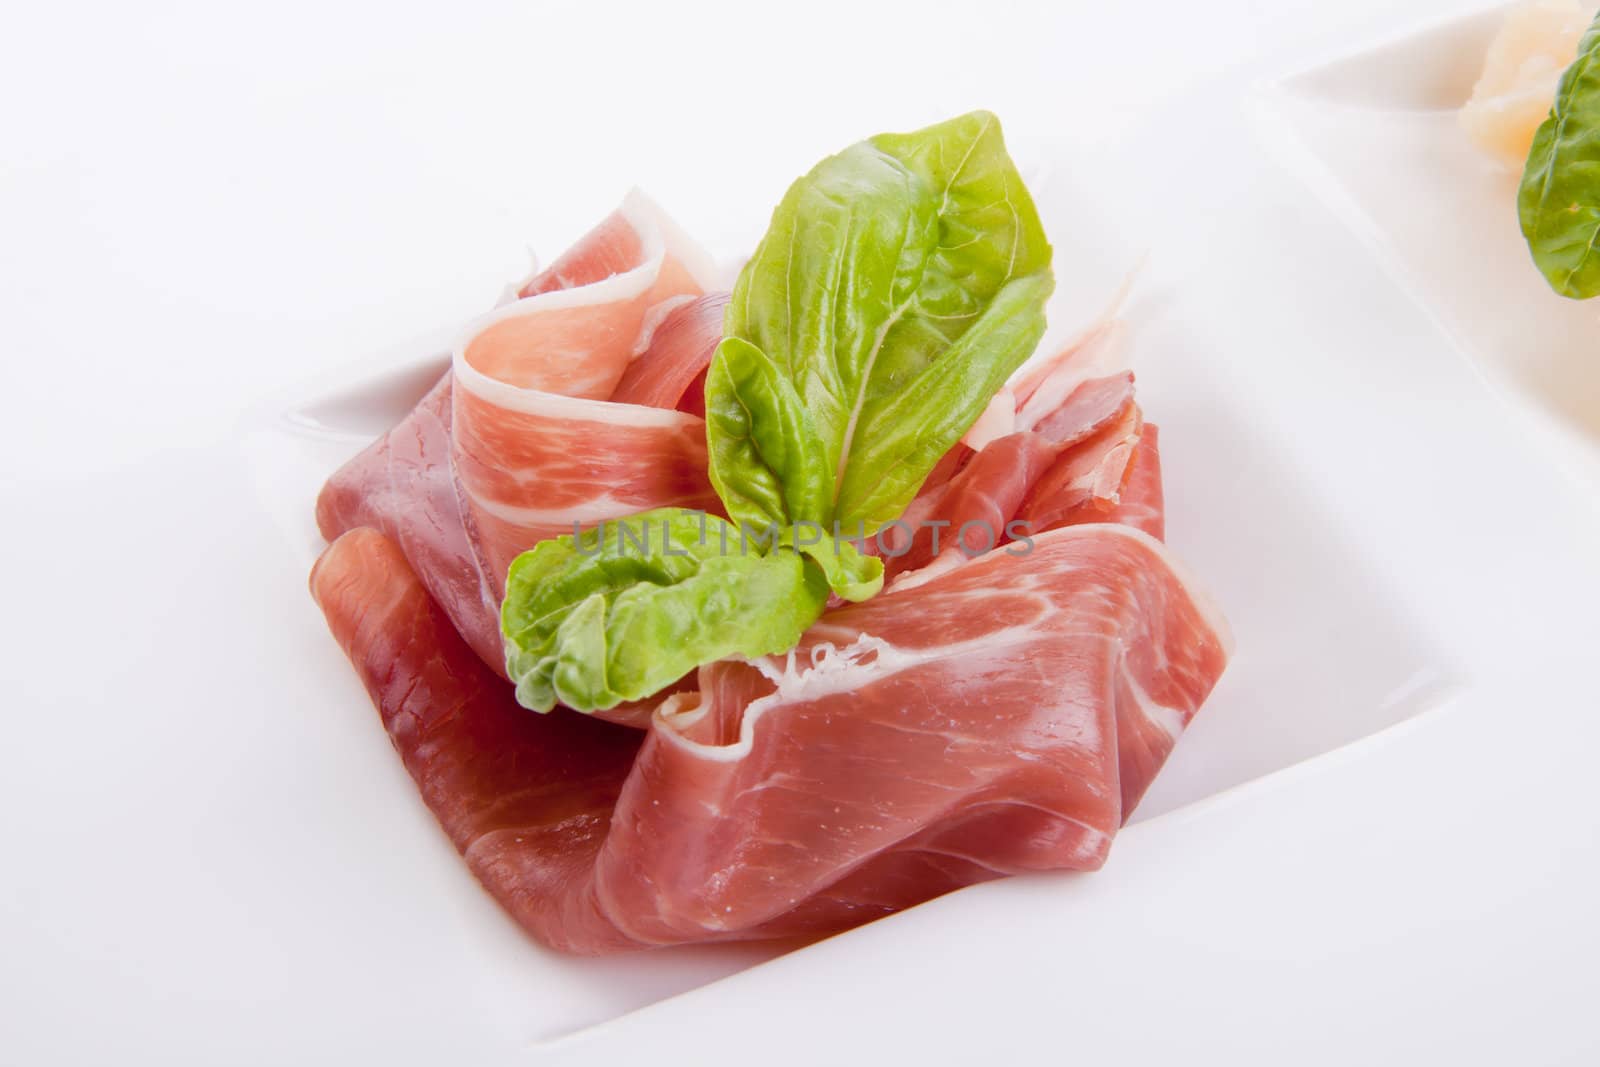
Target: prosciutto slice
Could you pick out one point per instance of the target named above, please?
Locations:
(672, 371)
(542, 421)
(1003, 717)
(1072, 429)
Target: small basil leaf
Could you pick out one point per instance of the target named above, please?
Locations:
(1558, 203)
(849, 572)
(767, 463)
(620, 612)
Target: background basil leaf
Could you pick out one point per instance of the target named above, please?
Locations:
(625, 610)
(899, 285)
(1558, 203)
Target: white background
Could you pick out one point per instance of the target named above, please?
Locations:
(201, 206)
(217, 197)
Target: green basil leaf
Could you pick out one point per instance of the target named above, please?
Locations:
(769, 463)
(769, 466)
(1558, 203)
(900, 283)
(622, 611)
(849, 572)
(934, 409)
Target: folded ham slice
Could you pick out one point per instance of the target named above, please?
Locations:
(671, 373)
(1003, 717)
(1071, 431)
(539, 424)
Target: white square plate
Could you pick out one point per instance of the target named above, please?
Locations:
(1289, 694)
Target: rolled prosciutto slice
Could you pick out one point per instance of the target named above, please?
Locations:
(1002, 717)
(1058, 449)
(560, 407)
(671, 373)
